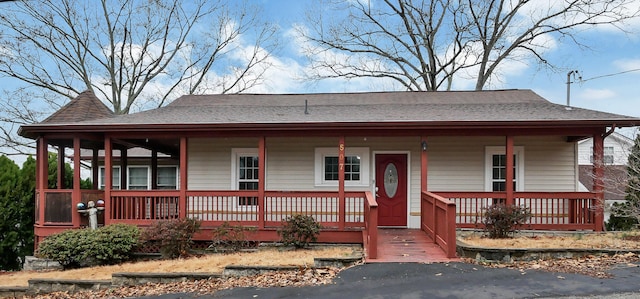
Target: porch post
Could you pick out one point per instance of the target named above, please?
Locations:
(262, 154)
(342, 204)
(184, 160)
(108, 176)
(423, 165)
(60, 163)
(95, 170)
(42, 170)
(76, 196)
(508, 185)
(124, 161)
(154, 166)
(598, 182)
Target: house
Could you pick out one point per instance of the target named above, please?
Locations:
(617, 148)
(353, 161)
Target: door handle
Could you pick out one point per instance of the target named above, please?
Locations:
(377, 192)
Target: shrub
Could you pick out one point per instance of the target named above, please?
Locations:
(299, 231)
(500, 220)
(85, 247)
(174, 237)
(231, 237)
(620, 219)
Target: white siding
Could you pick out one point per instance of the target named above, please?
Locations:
(209, 166)
(621, 149)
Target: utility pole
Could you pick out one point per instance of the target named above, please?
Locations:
(574, 73)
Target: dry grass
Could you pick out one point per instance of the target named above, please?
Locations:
(207, 263)
(610, 240)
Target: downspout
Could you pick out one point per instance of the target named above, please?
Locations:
(606, 134)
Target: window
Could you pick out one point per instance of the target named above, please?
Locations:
(138, 178)
(167, 178)
(115, 178)
(608, 155)
(247, 173)
(356, 166)
(496, 168)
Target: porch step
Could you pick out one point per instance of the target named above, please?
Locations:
(401, 245)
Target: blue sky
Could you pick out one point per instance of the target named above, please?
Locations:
(612, 52)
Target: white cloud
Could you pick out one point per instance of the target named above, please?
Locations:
(591, 94)
(627, 64)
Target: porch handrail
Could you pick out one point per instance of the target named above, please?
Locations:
(370, 232)
(438, 220)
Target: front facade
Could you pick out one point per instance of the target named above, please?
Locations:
(352, 161)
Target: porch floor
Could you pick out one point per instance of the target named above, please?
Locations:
(401, 245)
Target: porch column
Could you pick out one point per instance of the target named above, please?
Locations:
(598, 181)
(262, 154)
(108, 176)
(42, 177)
(95, 170)
(342, 204)
(184, 159)
(60, 163)
(423, 164)
(124, 161)
(76, 196)
(154, 167)
(508, 185)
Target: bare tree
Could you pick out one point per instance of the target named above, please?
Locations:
(133, 54)
(425, 45)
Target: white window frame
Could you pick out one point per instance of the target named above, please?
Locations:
(101, 183)
(129, 176)
(322, 152)
(177, 170)
(236, 153)
(488, 166)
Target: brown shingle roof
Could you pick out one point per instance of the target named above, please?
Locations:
(380, 107)
(86, 106)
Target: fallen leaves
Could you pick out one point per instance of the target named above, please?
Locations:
(301, 277)
(591, 265)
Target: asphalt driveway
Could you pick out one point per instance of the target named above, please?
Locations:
(453, 280)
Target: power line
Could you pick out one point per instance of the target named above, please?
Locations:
(609, 75)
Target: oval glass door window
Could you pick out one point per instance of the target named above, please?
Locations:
(391, 180)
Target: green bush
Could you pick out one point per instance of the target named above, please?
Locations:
(618, 222)
(231, 237)
(85, 247)
(501, 220)
(174, 237)
(299, 231)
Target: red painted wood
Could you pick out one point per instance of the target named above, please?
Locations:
(392, 211)
(598, 182)
(76, 195)
(509, 171)
(442, 227)
(341, 152)
(370, 233)
(262, 157)
(184, 178)
(108, 177)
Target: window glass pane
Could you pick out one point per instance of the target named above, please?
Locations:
(138, 178)
(248, 176)
(351, 168)
(167, 178)
(499, 172)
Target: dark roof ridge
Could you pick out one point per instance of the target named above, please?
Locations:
(85, 106)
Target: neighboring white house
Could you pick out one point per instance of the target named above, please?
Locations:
(616, 153)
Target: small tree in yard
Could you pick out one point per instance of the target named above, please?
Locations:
(628, 213)
(299, 231)
(501, 220)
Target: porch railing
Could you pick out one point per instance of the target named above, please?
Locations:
(437, 215)
(143, 206)
(370, 231)
(550, 210)
(216, 207)
(57, 205)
